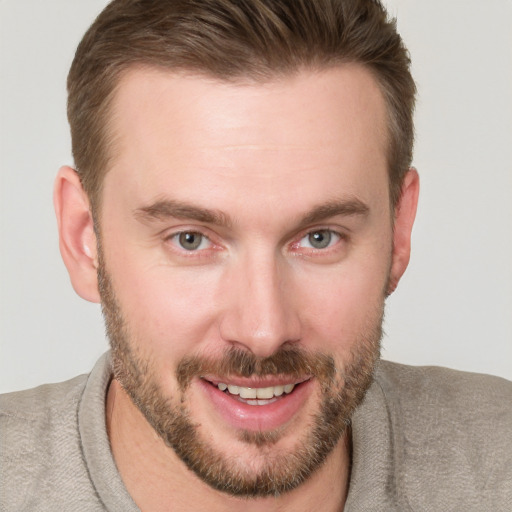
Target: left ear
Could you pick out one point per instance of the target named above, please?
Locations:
(405, 212)
(77, 240)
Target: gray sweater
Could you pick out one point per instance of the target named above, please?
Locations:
(425, 439)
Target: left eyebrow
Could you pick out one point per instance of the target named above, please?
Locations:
(164, 209)
(347, 208)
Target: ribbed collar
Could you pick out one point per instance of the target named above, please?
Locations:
(95, 443)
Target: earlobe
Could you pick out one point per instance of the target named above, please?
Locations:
(405, 213)
(77, 239)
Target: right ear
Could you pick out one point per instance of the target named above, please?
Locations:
(77, 239)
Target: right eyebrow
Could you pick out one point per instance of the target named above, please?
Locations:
(346, 207)
(168, 208)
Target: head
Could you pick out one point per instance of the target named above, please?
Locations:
(242, 206)
(232, 41)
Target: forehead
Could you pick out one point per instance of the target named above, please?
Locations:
(337, 95)
(202, 132)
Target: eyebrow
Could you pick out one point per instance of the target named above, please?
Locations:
(345, 207)
(168, 208)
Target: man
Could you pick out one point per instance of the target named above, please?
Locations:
(242, 205)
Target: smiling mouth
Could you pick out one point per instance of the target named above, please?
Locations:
(256, 395)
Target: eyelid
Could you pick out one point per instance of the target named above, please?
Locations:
(171, 232)
(333, 234)
(338, 232)
(170, 235)
(204, 240)
(216, 245)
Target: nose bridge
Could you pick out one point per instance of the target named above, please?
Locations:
(260, 315)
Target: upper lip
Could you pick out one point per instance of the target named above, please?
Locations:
(251, 382)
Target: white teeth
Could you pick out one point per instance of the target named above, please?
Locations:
(278, 390)
(234, 390)
(247, 392)
(265, 393)
(288, 388)
(259, 393)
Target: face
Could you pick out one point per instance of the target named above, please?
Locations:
(246, 244)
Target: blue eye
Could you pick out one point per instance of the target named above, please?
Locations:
(191, 240)
(320, 239)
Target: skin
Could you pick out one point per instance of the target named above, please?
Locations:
(263, 157)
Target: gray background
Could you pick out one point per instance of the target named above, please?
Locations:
(454, 305)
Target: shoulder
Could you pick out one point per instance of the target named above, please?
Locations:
(470, 405)
(40, 444)
(444, 387)
(30, 403)
(34, 412)
(452, 432)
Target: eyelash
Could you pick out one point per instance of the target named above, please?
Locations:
(322, 231)
(199, 252)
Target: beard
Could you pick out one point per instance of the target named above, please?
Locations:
(341, 391)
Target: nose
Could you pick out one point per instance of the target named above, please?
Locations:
(261, 314)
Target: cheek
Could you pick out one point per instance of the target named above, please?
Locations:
(341, 308)
(169, 311)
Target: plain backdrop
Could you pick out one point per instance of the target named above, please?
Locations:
(452, 308)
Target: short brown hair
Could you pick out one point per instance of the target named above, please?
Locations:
(230, 40)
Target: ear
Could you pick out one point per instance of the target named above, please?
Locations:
(405, 212)
(77, 240)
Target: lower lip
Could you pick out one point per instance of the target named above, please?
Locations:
(257, 417)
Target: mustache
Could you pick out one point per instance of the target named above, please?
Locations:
(293, 362)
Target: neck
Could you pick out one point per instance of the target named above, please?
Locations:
(158, 480)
